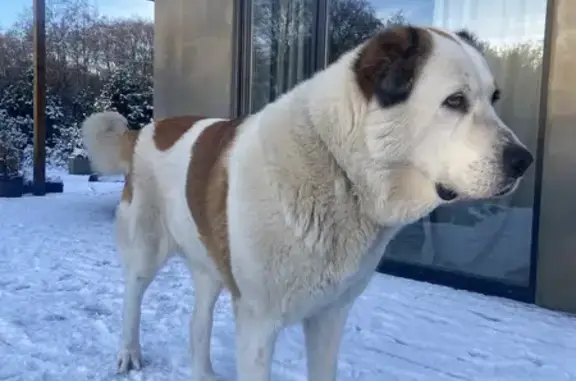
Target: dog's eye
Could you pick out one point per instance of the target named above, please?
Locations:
(496, 96)
(456, 101)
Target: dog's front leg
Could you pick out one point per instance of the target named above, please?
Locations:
(323, 333)
(256, 336)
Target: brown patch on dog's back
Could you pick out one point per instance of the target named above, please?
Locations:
(207, 191)
(168, 131)
(127, 146)
(388, 65)
(127, 189)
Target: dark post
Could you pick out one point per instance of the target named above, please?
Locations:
(39, 186)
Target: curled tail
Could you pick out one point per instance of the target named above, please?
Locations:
(108, 142)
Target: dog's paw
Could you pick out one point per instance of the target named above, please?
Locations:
(128, 359)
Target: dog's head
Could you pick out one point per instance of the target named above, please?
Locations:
(430, 109)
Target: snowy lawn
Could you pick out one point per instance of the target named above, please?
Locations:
(60, 307)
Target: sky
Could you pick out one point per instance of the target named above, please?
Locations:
(496, 21)
(10, 10)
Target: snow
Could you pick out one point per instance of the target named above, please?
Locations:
(60, 309)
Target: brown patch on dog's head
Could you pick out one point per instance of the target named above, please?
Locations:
(168, 131)
(207, 191)
(389, 64)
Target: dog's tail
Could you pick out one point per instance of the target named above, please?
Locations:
(108, 142)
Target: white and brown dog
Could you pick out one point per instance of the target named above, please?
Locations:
(291, 208)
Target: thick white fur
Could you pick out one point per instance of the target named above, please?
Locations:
(101, 133)
(319, 182)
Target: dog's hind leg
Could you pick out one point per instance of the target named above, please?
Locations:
(142, 254)
(323, 334)
(207, 288)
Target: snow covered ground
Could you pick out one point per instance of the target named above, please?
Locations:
(60, 303)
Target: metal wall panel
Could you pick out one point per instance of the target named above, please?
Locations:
(193, 63)
(556, 281)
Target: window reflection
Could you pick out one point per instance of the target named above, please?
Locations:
(282, 35)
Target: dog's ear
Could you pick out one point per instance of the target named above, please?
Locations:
(471, 39)
(389, 63)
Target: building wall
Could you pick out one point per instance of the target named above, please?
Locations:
(556, 282)
(193, 57)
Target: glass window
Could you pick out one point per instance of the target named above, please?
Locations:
(283, 40)
(490, 239)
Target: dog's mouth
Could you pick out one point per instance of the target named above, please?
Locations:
(506, 189)
(448, 194)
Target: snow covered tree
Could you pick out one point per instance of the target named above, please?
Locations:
(69, 144)
(13, 142)
(83, 104)
(128, 94)
(17, 99)
(84, 52)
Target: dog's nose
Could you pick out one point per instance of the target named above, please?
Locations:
(516, 160)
